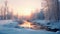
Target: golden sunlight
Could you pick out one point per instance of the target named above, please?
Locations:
(26, 24)
(25, 12)
(25, 8)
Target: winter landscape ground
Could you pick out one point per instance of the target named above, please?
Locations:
(10, 28)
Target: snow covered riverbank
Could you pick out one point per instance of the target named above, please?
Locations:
(9, 28)
(6, 30)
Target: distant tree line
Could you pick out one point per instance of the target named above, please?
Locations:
(50, 11)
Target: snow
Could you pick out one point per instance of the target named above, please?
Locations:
(9, 28)
(58, 32)
(2, 22)
(6, 30)
(41, 21)
(45, 23)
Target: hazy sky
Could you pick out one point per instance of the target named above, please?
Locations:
(23, 6)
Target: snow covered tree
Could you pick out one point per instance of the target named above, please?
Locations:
(51, 10)
(40, 15)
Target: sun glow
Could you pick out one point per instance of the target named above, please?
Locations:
(23, 7)
(26, 24)
(26, 7)
(25, 11)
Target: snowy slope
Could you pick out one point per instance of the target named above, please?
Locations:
(9, 28)
(51, 24)
(2, 22)
(6, 30)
